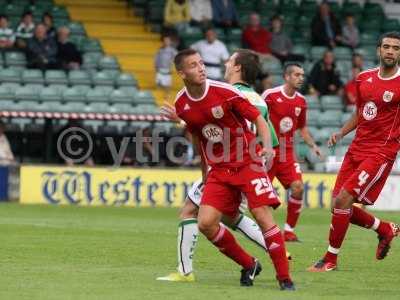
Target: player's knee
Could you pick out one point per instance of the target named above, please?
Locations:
(343, 201)
(297, 189)
(206, 227)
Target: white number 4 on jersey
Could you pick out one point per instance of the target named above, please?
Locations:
(362, 178)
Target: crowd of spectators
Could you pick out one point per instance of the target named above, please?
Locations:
(45, 46)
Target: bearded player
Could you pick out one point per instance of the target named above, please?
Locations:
(288, 113)
(371, 155)
(241, 71)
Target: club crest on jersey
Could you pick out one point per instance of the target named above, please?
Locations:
(370, 111)
(213, 133)
(217, 112)
(387, 96)
(286, 124)
(297, 111)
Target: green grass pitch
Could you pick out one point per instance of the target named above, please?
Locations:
(116, 253)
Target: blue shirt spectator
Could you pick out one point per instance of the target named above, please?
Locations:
(224, 13)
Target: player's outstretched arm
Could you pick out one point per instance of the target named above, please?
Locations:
(306, 135)
(349, 126)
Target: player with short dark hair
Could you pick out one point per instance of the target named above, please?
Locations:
(216, 112)
(370, 157)
(288, 113)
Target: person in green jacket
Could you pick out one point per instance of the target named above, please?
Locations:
(241, 71)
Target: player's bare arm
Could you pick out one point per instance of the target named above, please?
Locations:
(203, 163)
(168, 111)
(306, 135)
(349, 126)
(263, 132)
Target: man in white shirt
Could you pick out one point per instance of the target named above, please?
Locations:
(6, 155)
(213, 52)
(201, 12)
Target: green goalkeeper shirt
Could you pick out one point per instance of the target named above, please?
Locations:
(255, 99)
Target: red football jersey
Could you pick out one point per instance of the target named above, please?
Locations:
(287, 114)
(378, 109)
(218, 119)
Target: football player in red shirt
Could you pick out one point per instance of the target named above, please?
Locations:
(371, 155)
(288, 113)
(216, 114)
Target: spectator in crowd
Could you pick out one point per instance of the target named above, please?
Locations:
(350, 33)
(6, 155)
(25, 30)
(213, 52)
(47, 20)
(350, 89)
(264, 82)
(324, 78)
(256, 37)
(357, 61)
(224, 13)
(7, 37)
(325, 28)
(201, 13)
(177, 14)
(163, 65)
(42, 51)
(68, 55)
(281, 45)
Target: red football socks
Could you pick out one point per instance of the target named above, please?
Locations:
(339, 225)
(227, 244)
(362, 218)
(293, 211)
(276, 249)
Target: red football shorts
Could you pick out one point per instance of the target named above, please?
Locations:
(223, 189)
(286, 170)
(363, 179)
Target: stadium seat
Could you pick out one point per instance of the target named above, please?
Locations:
(273, 67)
(84, 88)
(346, 116)
(349, 138)
(91, 45)
(122, 108)
(56, 77)
(79, 77)
(234, 35)
(26, 93)
(301, 49)
(120, 96)
(144, 97)
(97, 95)
(125, 79)
(390, 25)
(312, 117)
(59, 12)
(108, 62)
(6, 93)
(102, 78)
(313, 102)
(7, 105)
(331, 103)
(73, 94)
(147, 109)
(100, 107)
(317, 52)
(330, 118)
(90, 60)
(49, 94)
(10, 75)
(302, 151)
(76, 28)
(14, 58)
(342, 53)
(32, 76)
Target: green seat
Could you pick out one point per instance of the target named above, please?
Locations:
(147, 109)
(84, 88)
(56, 76)
(7, 105)
(144, 97)
(13, 10)
(343, 53)
(234, 35)
(73, 94)
(91, 45)
(301, 50)
(76, 28)
(99, 107)
(348, 138)
(97, 95)
(90, 60)
(6, 93)
(120, 96)
(59, 12)
(331, 103)
(79, 77)
(370, 24)
(191, 35)
(122, 108)
(108, 62)
(313, 102)
(312, 117)
(125, 79)
(346, 116)
(369, 38)
(330, 118)
(102, 78)
(10, 75)
(26, 106)
(60, 87)
(32, 76)
(26, 93)
(302, 151)
(317, 52)
(48, 94)
(14, 58)
(369, 53)
(71, 107)
(353, 8)
(273, 67)
(390, 25)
